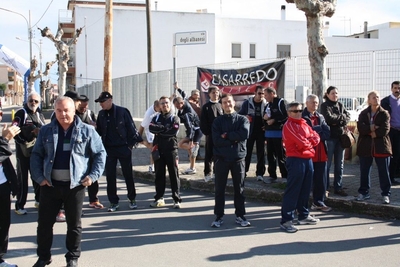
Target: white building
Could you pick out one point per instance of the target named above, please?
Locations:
(230, 42)
(228, 39)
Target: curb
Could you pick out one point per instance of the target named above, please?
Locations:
(274, 196)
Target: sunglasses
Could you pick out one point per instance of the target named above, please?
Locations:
(33, 100)
(296, 111)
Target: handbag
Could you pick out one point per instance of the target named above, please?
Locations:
(27, 148)
(155, 154)
(347, 139)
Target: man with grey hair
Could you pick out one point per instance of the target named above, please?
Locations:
(68, 156)
(317, 122)
(30, 119)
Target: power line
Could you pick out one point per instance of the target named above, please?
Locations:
(43, 14)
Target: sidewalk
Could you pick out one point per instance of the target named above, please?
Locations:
(273, 192)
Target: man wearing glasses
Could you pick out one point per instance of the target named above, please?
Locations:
(118, 132)
(30, 119)
(254, 108)
(299, 139)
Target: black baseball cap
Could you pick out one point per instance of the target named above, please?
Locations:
(103, 97)
(74, 95)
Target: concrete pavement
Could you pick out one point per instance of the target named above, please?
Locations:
(273, 192)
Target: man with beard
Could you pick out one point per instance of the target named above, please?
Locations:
(30, 119)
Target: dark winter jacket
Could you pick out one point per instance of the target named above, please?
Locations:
(231, 147)
(165, 127)
(336, 117)
(385, 103)
(125, 127)
(209, 112)
(278, 112)
(88, 117)
(322, 129)
(189, 117)
(248, 109)
(366, 144)
(8, 168)
(27, 120)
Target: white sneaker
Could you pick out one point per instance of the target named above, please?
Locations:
(208, 178)
(158, 203)
(190, 171)
(176, 205)
(260, 178)
(152, 170)
(21, 212)
(385, 199)
(7, 264)
(308, 220)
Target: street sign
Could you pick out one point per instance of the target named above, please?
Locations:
(191, 38)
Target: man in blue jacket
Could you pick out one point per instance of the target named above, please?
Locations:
(60, 165)
(230, 132)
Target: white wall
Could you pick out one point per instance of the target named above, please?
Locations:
(336, 44)
(266, 34)
(130, 41)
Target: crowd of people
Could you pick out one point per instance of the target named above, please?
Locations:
(71, 153)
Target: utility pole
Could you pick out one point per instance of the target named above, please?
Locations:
(149, 54)
(107, 81)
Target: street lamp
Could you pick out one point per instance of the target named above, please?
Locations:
(28, 24)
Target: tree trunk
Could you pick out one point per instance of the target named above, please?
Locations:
(316, 54)
(315, 10)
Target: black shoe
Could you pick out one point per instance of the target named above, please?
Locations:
(340, 192)
(42, 263)
(72, 263)
(394, 182)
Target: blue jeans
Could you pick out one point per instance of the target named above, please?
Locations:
(335, 152)
(383, 171)
(297, 192)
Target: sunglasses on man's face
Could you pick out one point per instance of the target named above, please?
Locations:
(33, 100)
(296, 111)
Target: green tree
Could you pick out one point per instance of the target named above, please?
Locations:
(3, 86)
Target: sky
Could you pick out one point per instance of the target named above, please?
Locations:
(348, 19)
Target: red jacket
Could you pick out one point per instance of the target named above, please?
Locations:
(299, 139)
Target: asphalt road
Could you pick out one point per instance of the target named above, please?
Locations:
(169, 237)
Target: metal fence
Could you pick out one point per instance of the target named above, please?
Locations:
(354, 74)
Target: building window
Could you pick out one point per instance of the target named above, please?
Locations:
(282, 51)
(236, 50)
(252, 50)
